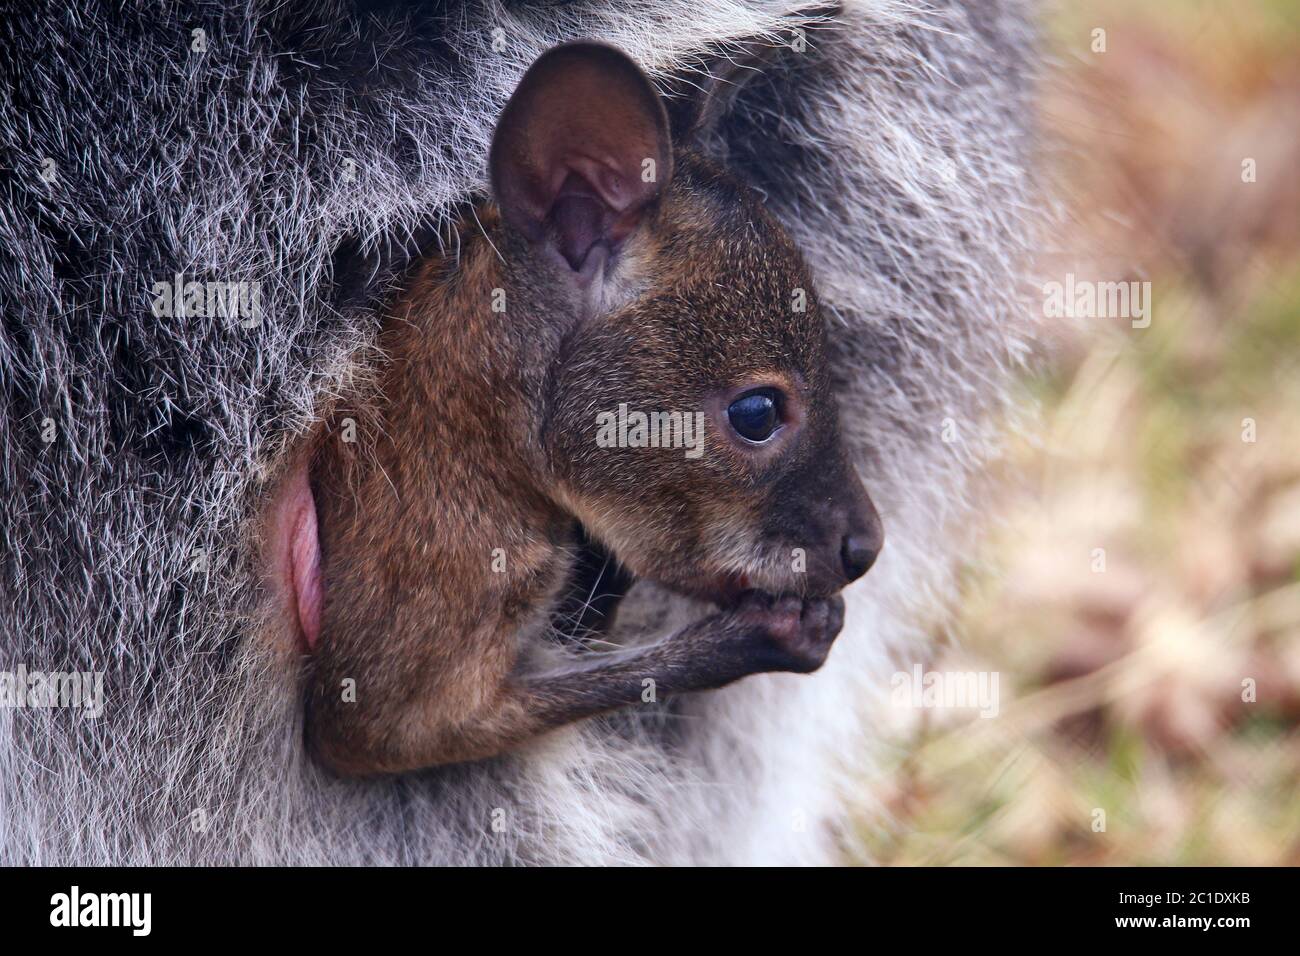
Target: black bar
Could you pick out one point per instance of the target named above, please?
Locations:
(657, 907)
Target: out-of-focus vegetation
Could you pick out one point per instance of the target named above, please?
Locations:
(1122, 689)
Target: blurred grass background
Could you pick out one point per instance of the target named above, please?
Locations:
(1121, 690)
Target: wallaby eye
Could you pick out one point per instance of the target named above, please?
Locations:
(755, 415)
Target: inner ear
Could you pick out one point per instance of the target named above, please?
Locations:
(581, 150)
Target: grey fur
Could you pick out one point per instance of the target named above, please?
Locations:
(894, 150)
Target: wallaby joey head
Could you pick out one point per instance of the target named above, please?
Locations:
(626, 347)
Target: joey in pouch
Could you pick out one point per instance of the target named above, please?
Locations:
(615, 280)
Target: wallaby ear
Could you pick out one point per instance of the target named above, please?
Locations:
(700, 99)
(580, 150)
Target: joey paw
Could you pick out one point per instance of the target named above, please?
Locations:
(791, 633)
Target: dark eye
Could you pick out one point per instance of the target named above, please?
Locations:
(754, 415)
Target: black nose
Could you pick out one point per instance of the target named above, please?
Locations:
(858, 553)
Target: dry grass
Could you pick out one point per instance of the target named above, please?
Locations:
(1122, 689)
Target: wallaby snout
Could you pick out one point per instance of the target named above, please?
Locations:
(836, 526)
(864, 535)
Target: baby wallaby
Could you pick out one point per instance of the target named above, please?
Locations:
(626, 347)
